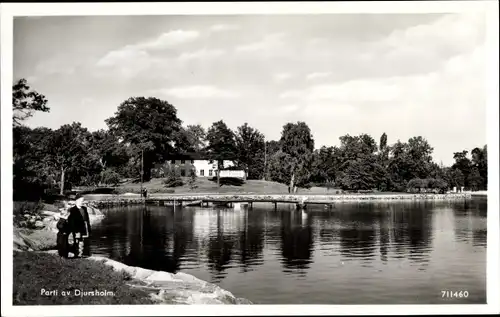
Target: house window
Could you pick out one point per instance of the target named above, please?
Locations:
(193, 172)
(172, 162)
(192, 161)
(209, 172)
(202, 172)
(182, 161)
(183, 172)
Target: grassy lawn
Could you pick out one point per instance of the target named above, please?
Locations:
(34, 272)
(205, 185)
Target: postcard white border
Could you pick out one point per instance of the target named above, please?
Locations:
(8, 11)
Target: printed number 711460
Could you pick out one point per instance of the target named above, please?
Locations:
(454, 294)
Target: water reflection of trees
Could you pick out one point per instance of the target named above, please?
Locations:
(251, 239)
(220, 247)
(470, 221)
(358, 232)
(296, 240)
(237, 238)
(411, 230)
(155, 237)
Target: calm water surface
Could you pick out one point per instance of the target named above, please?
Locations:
(393, 253)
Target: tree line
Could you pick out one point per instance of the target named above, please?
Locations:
(149, 130)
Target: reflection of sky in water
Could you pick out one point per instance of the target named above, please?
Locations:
(367, 253)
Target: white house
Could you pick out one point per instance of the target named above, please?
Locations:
(185, 164)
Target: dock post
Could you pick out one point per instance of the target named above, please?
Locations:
(250, 205)
(275, 206)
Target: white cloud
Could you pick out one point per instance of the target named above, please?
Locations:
(197, 92)
(447, 106)
(202, 54)
(224, 27)
(168, 39)
(271, 43)
(127, 62)
(56, 66)
(279, 77)
(450, 35)
(289, 108)
(318, 75)
(132, 59)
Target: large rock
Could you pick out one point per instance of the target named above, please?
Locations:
(34, 239)
(180, 288)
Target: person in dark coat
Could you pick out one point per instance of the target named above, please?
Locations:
(63, 247)
(79, 228)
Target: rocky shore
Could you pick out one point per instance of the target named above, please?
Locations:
(179, 288)
(162, 287)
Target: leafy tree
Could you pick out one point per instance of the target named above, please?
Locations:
(359, 167)
(454, 177)
(383, 142)
(190, 139)
(357, 176)
(415, 184)
(270, 148)
(111, 152)
(26, 101)
(419, 155)
(31, 171)
(474, 179)
(221, 144)
(297, 146)
(250, 145)
(149, 125)
(68, 149)
(277, 172)
(197, 136)
(325, 165)
(463, 164)
(110, 177)
(480, 161)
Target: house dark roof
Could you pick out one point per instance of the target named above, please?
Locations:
(197, 156)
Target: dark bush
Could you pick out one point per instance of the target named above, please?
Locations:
(172, 181)
(229, 181)
(110, 177)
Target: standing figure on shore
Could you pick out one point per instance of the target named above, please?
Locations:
(63, 244)
(79, 228)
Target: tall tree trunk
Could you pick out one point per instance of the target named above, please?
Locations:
(219, 166)
(61, 192)
(265, 162)
(292, 182)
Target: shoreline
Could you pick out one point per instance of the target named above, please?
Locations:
(163, 287)
(108, 200)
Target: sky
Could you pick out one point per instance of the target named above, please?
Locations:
(403, 74)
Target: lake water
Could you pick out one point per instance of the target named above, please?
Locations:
(372, 253)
